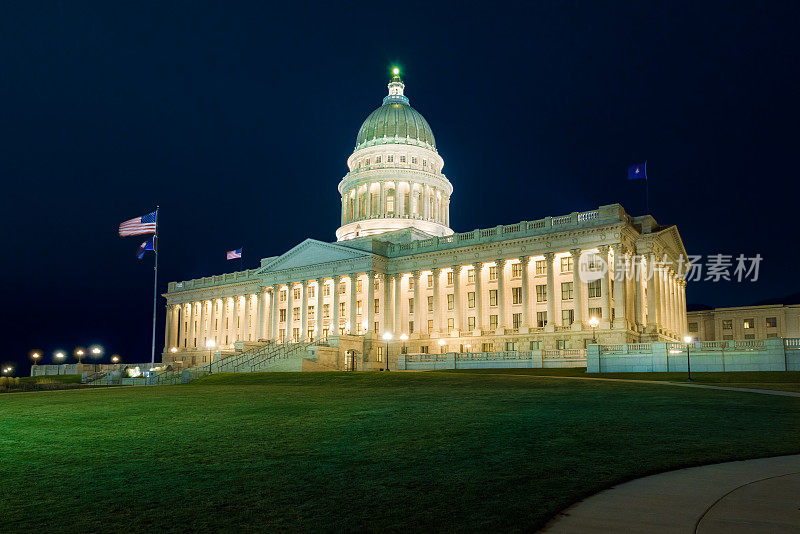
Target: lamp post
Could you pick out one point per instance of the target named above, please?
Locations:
(96, 351)
(115, 358)
(79, 353)
(35, 356)
(404, 338)
(210, 344)
(387, 337)
(59, 356)
(688, 340)
(593, 322)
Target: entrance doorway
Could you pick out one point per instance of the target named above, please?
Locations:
(350, 359)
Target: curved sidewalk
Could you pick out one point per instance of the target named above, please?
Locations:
(748, 496)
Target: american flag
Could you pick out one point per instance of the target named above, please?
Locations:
(233, 254)
(139, 225)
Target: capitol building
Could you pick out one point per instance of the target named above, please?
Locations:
(399, 278)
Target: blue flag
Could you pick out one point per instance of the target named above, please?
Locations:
(144, 247)
(636, 172)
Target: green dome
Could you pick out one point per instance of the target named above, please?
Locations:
(396, 122)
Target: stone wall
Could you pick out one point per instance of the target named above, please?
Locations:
(536, 359)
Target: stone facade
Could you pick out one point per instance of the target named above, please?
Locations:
(745, 322)
(398, 270)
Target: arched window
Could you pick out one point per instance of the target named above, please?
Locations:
(390, 201)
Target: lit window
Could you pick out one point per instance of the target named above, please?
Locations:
(450, 278)
(390, 158)
(516, 320)
(566, 264)
(470, 323)
(410, 305)
(594, 288)
(430, 303)
(567, 317)
(492, 273)
(492, 297)
(541, 293)
(516, 295)
(541, 267)
(493, 322)
(451, 301)
(596, 312)
(541, 319)
(430, 280)
(749, 323)
(516, 270)
(566, 290)
(402, 159)
(471, 299)
(771, 322)
(471, 276)
(377, 306)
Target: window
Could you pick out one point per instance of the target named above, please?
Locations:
(311, 311)
(410, 327)
(562, 344)
(471, 299)
(450, 277)
(516, 320)
(377, 284)
(283, 315)
(567, 317)
(492, 273)
(380, 354)
(493, 322)
(410, 283)
(516, 295)
(535, 345)
(566, 264)
(487, 347)
(541, 319)
(727, 324)
(541, 293)
(451, 301)
(402, 159)
(692, 327)
(424, 349)
(376, 305)
(471, 276)
(470, 323)
(749, 323)
(377, 159)
(594, 289)
(366, 162)
(410, 305)
(376, 326)
(541, 267)
(296, 313)
(390, 158)
(450, 324)
(430, 280)
(296, 293)
(424, 163)
(283, 295)
(414, 160)
(516, 270)
(311, 291)
(296, 334)
(358, 285)
(771, 322)
(342, 310)
(326, 290)
(596, 312)
(492, 297)
(326, 311)
(342, 288)
(566, 290)
(430, 303)
(430, 325)
(282, 334)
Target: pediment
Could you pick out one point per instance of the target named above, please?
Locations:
(671, 238)
(312, 252)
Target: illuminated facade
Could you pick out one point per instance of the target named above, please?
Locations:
(398, 270)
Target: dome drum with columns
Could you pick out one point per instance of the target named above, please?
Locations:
(395, 179)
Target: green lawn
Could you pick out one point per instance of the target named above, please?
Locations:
(358, 451)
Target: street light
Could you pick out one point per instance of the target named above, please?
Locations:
(404, 338)
(593, 322)
(387, 337)
(115, 358)
(173, 350)
(96, 351)
(688, 340)
(35, 356)
(59, 355)
(210, 344)
(79, 353)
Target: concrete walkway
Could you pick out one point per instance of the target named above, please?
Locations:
(751, 496)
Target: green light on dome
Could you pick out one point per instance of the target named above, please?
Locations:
(396, 70)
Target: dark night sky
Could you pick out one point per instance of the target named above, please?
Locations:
(237, 119)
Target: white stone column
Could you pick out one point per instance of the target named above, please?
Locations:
(386, 306)
(398, 318)
(335, 312)
(501, 297)
(437, 302)
(478, 266)
(525, 293)
(192, 330)
(370, 311)
(577, 290)
(304, 310)
(275, 312)
(620, 270)
(417, 304)
(212, 317)
(605, 295)
(223, 315)
(652, 295)
(682, 300)
(549, 259)
(318, 311)
(289, 314)
(246, 322)
(259, 329)
(459, 311)
(353, 318)
(176, 323)
(168, 326)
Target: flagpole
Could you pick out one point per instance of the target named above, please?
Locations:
(155, 292)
